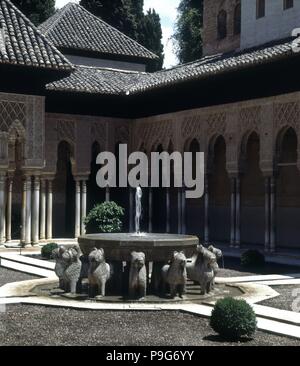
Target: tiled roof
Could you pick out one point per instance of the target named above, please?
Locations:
(73, 27)
(23, 44)
(96, 80)
(105, 81)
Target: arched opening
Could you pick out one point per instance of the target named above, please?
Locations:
(237, 20)
(252, 193)
(288, 190)
(194, 207)
(64, 194)
(219, 191)
(222, 24)
(96, 195)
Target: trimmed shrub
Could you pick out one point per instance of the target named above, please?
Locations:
(48, 249)
(252, 258)
(106, 217)
(233, 319)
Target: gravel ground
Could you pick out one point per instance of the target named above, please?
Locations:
(37, 326)
(286, 298)
(8, 276)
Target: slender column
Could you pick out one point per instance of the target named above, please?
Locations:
(267, 214)
(83, 206)
(150, 227)
(49, 209)
(179, 215)
(36, 210)
(233, 207)
(2, 209)
(77, 209)
(168, 229)
(131, 205)
(9, 208)
(206, 211)
(23, 214)
(43, 211)
(238, 214)
(272, 214)
(28, 212)
(107, 194)
(183, 204)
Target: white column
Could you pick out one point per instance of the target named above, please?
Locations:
(206, 211)
(168, 228)
(2, 208)
(183, 204)
(179, 216)
(150, 213)
(238, 214)
(9, 208)
(77, 208)
(272, 215)
(131, 229)
(36, 211)
(23, 213)
(49, 210)
(107, 194)
(43, 211)
(28, 212)
(233, 203)
(83, 206)
(267, 214)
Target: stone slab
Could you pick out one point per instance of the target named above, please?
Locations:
(25, 268)
(28, 260)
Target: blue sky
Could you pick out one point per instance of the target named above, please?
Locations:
(167, 9)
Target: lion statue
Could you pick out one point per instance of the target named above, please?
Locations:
(99, 272)
(137, 276)
(201, 269)
(60, 265)
(174, 274)
(73, 269)
(218, 253)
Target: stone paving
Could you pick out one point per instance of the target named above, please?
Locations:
(269, 319)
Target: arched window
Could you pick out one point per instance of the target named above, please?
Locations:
(260, 8)
(222, 24)
(237, 19)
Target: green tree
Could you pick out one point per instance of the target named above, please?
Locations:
(36, 10)
(188, 30)
(151, 37)
(128, 17)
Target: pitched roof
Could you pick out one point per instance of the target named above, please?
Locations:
(106, 81)
(97, 80)
(73, 27)
(23, 44)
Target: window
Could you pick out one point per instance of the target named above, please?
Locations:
(237, 20)
(222, 24)
(260, 8)
(288, 4)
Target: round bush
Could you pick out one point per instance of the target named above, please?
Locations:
(106, 217)
(233, 319)
(252, 258)
(48, 249)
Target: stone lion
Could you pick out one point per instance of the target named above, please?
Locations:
(60, 265)
(218, 253)
(201, 269)
(175, 275)
(137, 276)
(73, 269)
(99, 272)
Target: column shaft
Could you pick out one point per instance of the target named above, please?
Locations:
(43, 211)
(183, 204)
(9, 209)
(131, 205)
(77, 209)
(150, 227)
(238, 214)
(267, 213)
(168, 228)
(28, 211)
(206, 211)
(179, 215)
(232, 208)
(36, 211)
(272, 214)
(49, 210)
(83, 206)
(2, 209)
(23, 214)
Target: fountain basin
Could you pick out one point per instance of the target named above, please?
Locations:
(157, 247)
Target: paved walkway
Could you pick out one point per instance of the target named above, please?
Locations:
(269, 319)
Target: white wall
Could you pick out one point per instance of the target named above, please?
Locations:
(276, 24)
